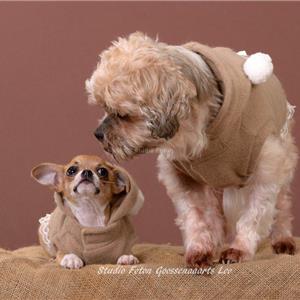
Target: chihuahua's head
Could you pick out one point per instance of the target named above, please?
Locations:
(84, 176)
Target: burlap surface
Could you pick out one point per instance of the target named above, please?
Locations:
(27, 273)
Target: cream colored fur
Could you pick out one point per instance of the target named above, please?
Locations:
(146, 88)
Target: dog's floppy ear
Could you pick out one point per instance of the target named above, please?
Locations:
(49, 174)
(162, 126)
(170, 108)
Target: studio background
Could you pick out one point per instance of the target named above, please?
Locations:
(47, 50)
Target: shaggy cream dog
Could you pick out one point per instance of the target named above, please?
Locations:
(227, 156)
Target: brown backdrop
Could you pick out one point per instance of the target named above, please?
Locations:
(47, 50)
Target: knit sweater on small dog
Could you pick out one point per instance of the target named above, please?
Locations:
(95, 244)
(249, 114)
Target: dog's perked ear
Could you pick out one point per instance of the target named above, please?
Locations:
(122, 181)
(128, 197)
(49, 174)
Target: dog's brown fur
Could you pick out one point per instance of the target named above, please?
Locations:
(91, 205)
(162, 98)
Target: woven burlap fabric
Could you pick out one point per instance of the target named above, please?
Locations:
(27, 273)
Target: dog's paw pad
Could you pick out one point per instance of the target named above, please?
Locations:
(127, 260)
(71, 261)
(285, 246)
(231, 256)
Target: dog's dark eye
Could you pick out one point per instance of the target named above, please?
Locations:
(102, 172)
(72, 171)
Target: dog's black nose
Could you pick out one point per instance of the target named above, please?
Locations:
(99, 134)
(87, 174)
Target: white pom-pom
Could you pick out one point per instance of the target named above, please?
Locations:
(258, 67)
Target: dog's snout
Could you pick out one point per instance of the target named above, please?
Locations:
(103, 128)
(87, 174)
(99, 134)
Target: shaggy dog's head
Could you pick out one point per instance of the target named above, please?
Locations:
(145, 91)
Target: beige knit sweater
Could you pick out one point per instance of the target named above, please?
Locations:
(249, 114)
(95, 245)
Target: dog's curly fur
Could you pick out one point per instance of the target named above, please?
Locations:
(162, 98)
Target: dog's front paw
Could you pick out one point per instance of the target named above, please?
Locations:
(71, 261)
(231, 256)
(127, 260)
(285, 246)
(196, 257)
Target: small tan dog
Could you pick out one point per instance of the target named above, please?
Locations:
(91, 223)
(227, 156)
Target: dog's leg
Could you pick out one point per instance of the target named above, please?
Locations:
(281, 236)
(199, 215)
(202, 228)
(254, 222)
(266, 190)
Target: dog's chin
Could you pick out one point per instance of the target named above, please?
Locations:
(86, 188)
(119, 155)
(119, 152)
(126, 153)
